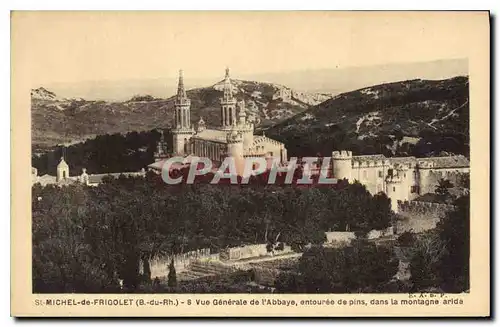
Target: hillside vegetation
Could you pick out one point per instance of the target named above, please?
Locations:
(416, 117)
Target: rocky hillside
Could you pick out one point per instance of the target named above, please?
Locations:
(42, 94)
(387, 115)
(56, 120)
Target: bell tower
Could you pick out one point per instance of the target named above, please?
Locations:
(183, 130)
(228, 104)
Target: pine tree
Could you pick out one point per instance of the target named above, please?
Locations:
(172, 276)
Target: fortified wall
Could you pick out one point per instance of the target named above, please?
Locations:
(420, 216)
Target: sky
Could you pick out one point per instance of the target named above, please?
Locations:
(89, 50)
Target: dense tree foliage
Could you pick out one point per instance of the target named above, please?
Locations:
(441, 257)
(454, 231)
(172, 275)
(363, 267)
(442, 189)
(105, 154)
(86, 238)
(322, 140)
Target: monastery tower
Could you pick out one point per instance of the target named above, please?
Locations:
(342, 165)
(228, 104)
(394, 190)
(246, 127)
(182, 131)
(234, 135)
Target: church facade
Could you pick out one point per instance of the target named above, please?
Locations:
(233, 137)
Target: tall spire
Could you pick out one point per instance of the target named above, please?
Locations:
(181, 92)
(228, 87)
(228, 103)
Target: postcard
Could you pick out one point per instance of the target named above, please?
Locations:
(250, 164)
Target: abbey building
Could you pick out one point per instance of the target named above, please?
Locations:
(233, 137)
(401, 178)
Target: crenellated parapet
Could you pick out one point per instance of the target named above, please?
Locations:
(342, 155)
(421, 207)
(369, 163)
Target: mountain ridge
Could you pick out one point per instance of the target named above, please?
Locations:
(381, 116)
(64, 121)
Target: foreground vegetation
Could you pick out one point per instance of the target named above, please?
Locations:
(86, 239)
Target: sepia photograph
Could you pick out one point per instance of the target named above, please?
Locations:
(274, 153)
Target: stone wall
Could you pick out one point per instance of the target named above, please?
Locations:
(432, 177)
(159, 265)
(339, 238)
(373, 234)
(420, 216)
(250, 251)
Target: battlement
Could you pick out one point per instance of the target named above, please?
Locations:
(369, 163)
(342, 155)
(423, 207)
(372, 160)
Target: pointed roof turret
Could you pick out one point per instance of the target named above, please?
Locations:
(201, 125)
(62, 164)
(181, 92)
